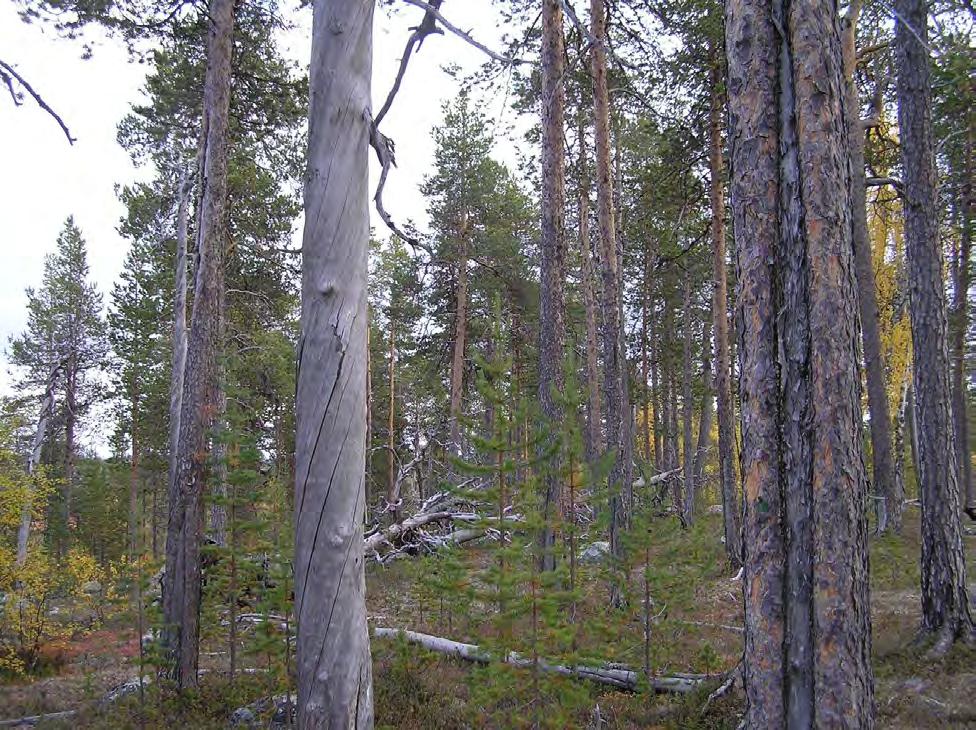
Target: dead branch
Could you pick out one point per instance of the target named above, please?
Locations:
(427, 26)
(724, 688)
(703, 624)
(432, 10)
(386, 154)
(32, 720)
(8, 74)
(614, 676)
(373, 542)
(876, 182)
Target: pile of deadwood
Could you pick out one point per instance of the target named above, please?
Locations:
(448, 518)
(443, 519)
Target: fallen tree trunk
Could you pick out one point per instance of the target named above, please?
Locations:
(393, 532)
(657, 478)
(614, 676)
(32, 720)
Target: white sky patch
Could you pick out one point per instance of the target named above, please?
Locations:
(43, 179)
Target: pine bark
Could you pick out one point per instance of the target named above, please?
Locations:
(460, 337)
(553, 265)
(945, 601)
(731, 511)
(883, 470)
(687, 415)
(594, 417)
(333, 661)
(807, 641)
(70, 422)
(960, 326)
(134, 478)
(614, 364)
(660, 462)
(704, 442)
(895, 510)
(181, 594)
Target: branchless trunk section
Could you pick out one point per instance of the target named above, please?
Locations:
(614, 365)
(392, 490)
(807, 656)
(687, 410)
(181, 594)
(594, 417)
(731, 515)
(34, 460)
(945, 601)
(460, 337)
(961, 321)
(333, 660)
(553, 268)
(704, 443)
(883, 471)
(179, 330)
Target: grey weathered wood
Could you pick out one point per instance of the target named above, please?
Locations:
(615, 676)
(40, 434)
(335, 688)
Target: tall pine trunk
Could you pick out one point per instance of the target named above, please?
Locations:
(134, 477)
(945, 600)
(594, 417)
(460, 337)
(687, 408)
(553, 266)
(70, 423)
(178, 364)
(731, 512)
(960, 325)
(335, 688)
(883, 471)
(614, 364)
(704, 443)
(181, 594)
(807, 627)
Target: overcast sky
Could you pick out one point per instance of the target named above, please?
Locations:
(43, 179)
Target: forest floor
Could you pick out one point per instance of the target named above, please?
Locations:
(697, 608)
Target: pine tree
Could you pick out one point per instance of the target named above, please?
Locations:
(65, 335)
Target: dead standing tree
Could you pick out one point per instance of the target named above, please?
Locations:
(335, 687)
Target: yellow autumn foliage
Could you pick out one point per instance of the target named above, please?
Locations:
(886, 230)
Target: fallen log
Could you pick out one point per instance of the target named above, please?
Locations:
(657, 478)
(391, 533)
(618, 677)
(32, 720)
